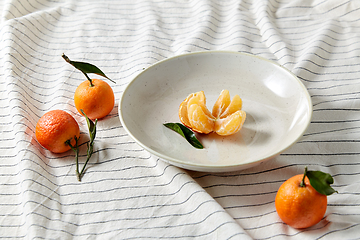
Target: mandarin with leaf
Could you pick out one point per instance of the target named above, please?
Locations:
(94, 96)
(299, 204)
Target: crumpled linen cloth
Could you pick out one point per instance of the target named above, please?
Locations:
(127, 193)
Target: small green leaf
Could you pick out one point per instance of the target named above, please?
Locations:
(91, 126)
(186, 133)
(90, 145)
(321, 181)
(86, 67)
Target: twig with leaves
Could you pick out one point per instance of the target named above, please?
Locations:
(90, 146)
(85, 68)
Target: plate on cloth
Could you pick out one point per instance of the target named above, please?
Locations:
(277, 104)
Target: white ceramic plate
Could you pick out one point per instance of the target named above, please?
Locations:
(277, 104)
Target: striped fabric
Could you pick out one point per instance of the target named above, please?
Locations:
(126, 192)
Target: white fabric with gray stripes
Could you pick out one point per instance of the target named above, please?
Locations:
(127, 193)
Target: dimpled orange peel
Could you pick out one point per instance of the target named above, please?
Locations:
(225, 119)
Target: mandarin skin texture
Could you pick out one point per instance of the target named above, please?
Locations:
(300, 207)
(54, 128)
(96, 101)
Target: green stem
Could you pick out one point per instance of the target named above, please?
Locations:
(66, 58)
(69, 61)
(90, 80)
(90, 144)
(302, 184)
(76, 151)
(89, 153)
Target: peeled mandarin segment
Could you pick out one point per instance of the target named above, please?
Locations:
(200, 122)
(231, 124)
(202, 103)
(235, 105)
(225, 119)
(196, 99)
(183, 113)
(221, 103)
(201, 96)
(193, 100)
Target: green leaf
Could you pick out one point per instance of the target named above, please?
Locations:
(321, 181)
(90, 145)
(91, 127)
(186, 133)
(86, 67)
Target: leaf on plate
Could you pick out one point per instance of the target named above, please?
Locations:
(321, 181)
(186, 133)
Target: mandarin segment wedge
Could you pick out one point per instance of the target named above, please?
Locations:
(221, 103)
(225, 119)
(183, 112)
(199, 121)
(235, 105)
(200, 99)
(230, 124)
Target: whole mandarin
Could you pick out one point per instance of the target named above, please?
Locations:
(96, 101)
(54, 128)
(300, 206)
